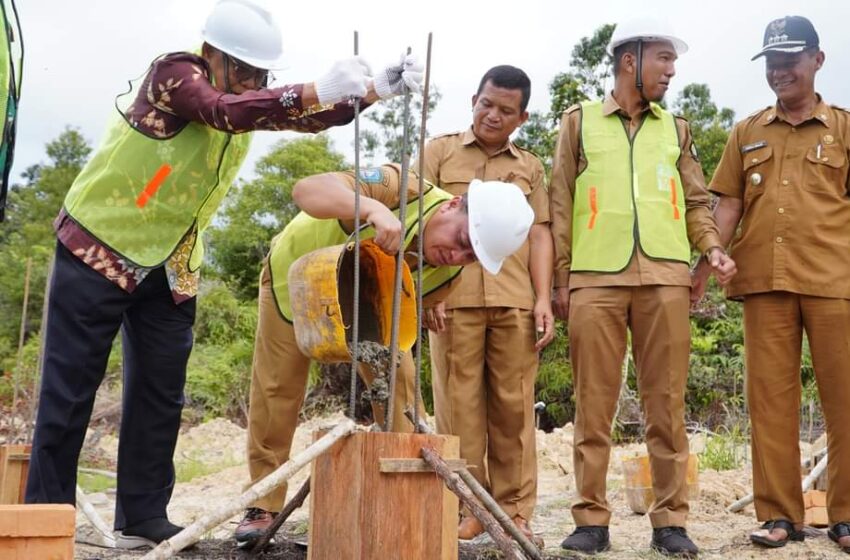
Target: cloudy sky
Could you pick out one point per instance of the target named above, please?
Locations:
(79, 55)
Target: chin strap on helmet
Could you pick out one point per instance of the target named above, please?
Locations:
(639, 71)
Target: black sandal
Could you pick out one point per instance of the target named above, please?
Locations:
(791, 534)
(840, 530)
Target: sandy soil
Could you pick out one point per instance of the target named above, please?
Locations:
(221, 443)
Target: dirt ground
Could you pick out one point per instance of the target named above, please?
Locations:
(219, 447)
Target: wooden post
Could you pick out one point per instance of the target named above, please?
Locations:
(358, 512)
(480, 492)
(456, 485)
(191, 534)
(37, 531)
(14, 464)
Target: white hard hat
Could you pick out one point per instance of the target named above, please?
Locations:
(499, 220)
(245, 31)
(645, 29)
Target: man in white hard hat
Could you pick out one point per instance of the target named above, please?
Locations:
(485, 337)
(130, 246)
(488, 224)
(628, 201)
(783, 179)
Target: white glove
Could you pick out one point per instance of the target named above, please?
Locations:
(347, 78)
(391, 80)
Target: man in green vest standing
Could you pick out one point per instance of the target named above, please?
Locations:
(489, 223)
(130, 246)
(628, 201)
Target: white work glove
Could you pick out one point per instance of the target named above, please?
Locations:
(409, 72)
(347, 78)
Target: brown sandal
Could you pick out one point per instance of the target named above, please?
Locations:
(791, 534)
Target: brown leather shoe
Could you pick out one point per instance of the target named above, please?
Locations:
(252, 526)
(525, 529)
(469, 528)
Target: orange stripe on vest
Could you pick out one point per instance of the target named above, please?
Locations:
(153, 185)
(673, 198)
(593, 209)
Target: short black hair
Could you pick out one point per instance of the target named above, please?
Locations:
(508, 77)
(620, 50)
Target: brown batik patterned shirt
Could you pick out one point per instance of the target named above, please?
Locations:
(175, 91)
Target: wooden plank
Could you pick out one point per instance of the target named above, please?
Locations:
(416, 465)
(361, 513)
(37, 531)
(14, 465)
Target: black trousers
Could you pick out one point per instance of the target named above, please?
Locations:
(84, 314)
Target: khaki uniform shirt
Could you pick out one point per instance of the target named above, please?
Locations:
(384, 185)
(569, 163)
(452, 161)
(793, 180)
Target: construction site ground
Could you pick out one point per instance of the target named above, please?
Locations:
(218, 448)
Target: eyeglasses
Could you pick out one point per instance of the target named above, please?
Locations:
(244, 72)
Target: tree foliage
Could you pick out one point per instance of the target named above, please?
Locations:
(710, 125)
(590, 68)
(27, 234)
(389, 117)
(255, 211)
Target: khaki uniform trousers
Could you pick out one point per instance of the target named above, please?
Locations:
(278, 386)
(658, 319)
(484, 367)
(773, 331)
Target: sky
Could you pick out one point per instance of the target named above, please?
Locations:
(80, 55)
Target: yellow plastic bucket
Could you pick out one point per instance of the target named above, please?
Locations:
(321, 292)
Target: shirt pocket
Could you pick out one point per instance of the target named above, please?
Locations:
(521, 180)
(455, 182)
(825, 171)
(757, 169)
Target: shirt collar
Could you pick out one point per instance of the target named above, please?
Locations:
(820, 113)
(468, 138)
(610, 106)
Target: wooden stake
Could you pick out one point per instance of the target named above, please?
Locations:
(293, 504)
(20, 358)
(193, 532)
(107, 538)
(481, 493)
(456, 485)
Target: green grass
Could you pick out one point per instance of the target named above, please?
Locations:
(91, 483)
(725, 450)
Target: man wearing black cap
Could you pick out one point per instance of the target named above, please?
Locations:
(785, 172)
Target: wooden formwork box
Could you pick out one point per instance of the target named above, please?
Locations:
(37, 532)
(358, 512)
(14, 464)
(638, 482)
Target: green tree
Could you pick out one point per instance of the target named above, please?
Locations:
(590, 68)
(27, 233)
(258, 209)
(710, 125)
(389, 116)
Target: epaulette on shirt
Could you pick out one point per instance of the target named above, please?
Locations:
(757, 113)
(447, 134)
(572, 108)
(524, 149)
(843, 109)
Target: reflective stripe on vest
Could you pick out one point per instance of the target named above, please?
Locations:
(622, 175)
(305, 234)
(140, 195)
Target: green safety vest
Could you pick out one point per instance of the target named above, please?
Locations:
(305, 234)
(141, 195)
(11, 70)
(630, 191)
